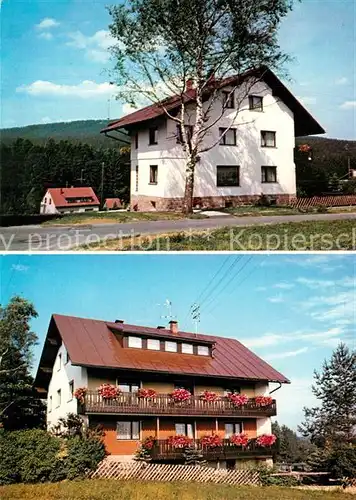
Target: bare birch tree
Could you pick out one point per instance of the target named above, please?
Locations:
(166, 47)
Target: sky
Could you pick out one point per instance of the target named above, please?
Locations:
(292, 310)
(56, 66)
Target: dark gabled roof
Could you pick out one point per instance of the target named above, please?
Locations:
(60, 196)
(95, 343)
(304, 123)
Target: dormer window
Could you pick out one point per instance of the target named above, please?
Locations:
(203, 350)
(255, 103)
(170, 346)
(135, 342)
(187, 349)
(153, 344)
(228, 99)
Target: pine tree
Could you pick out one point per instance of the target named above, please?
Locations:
(334, 420)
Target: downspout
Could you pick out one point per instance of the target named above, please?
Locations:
(276, 389)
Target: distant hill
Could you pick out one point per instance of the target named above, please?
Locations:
(87, 131)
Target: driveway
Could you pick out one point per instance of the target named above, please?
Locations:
(63, 238)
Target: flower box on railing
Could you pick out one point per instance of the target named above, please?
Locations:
(213, 441)
(180, 395)
(266, 440)
(209, 396)
(146, 393)
(179, 441)
(80, 394)
(240, 439)
(237, 399)
(263, 400)
(108, 391)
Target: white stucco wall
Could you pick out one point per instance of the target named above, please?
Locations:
(248, 153)
(63, 374)
(47, 205)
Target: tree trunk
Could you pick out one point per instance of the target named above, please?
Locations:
(189, 186)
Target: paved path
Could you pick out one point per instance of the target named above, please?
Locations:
(63, 238)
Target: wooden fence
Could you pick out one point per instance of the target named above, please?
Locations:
(325, 201)
(141, 471)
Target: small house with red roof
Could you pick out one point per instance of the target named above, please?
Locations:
(160, 388)
(112, 204)
(247, 149)
(69, 200)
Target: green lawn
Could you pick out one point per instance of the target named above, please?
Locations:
(112, 217)
(109, 489)
(292, 236)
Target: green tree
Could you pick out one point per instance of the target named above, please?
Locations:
(334, 420)
(20, 406)
(292, 448)
(164, 44)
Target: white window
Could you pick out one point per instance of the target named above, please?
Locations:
(153, 344)
(187, 348)
(203, 350)
(59, 397)
(127, 430)
(231, 429)
(171, 346)
(128, 387)
(135, 342)
(184, 430)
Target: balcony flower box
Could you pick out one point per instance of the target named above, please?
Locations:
(109, 391)
(180, 395)
(148, 443)
(263, 400)
(80, 393)
(146, 393)
(240, 439)
(237, 399)
(209, 396)
(213, 441)
(266, 440)
(180, 441)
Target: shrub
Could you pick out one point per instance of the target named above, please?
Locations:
(341, 462)
(82, 455)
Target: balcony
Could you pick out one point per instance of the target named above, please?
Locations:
(130, 404)
(163, 450)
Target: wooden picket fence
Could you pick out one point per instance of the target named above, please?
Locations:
(141, 471)
(325, 201)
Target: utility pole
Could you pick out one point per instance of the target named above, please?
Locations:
(81, 176)
(102, 185)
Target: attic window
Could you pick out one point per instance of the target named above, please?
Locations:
(255, 103)
(135, 342)
(171, 346)
(187, 348)
(153, 344)
(203, 350)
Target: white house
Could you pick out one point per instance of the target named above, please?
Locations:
(69, 200)
(256, 156)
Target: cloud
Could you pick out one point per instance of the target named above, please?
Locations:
(284, 285)
(20, 268)
(287, 354)
(47, 23)
(315, 284)
(325, 263)
(85, 90)
(96, 47)
(127, 108)
(261, 289)
(46, 35)
(315, 338)
(266, 340)
(307, 100)
(348, 105)
(342, 81)
(276, 300)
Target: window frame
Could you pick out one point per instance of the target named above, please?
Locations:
(131, 422)
(153, 178)
(264, 138)
(157, 342)
(219, 184)
(166, 342)
(222, 141)
(265, 168)
(187, 344)
(228, 99)
(250, 103)
(136, 338)
(130, 385)
(203, 347)
(234, 425)
(186, 433)
(153, 136)
(71, 390)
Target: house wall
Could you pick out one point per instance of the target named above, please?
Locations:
(248, 154)
(47, 205)
(63, 373)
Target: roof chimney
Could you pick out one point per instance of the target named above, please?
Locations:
(173, 326)
(189, 84)
(121, 321)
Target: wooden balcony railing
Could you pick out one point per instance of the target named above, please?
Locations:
(130, 404)
(163, 450)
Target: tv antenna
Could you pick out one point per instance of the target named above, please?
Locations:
(168, 305)
(195, 314)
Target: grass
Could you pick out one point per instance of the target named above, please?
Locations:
(110, 489)
(116, 217)
(292, 236)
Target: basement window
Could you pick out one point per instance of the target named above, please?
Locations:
(203, 350)
(170, 346)
(153, 344)
(187, 349)
(135, 342)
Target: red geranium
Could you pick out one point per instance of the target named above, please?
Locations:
(146, 393)
(237, 399)
(209, 396)
(80, 393)
(266, 440)
(304, 148)
(240, 439)
(148, 443)
(179, 395)
(108, 391)
(263, 400)
(180, 441)
(213, 441)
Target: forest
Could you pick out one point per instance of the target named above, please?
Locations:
(37, 157)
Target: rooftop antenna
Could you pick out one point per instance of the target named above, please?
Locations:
(168, 305)
(195, 314)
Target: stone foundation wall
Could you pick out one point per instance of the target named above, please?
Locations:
(151, 203)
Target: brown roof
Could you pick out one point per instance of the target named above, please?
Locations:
(93, 343)
(304, 123)
(60, 196)
(112, 202)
